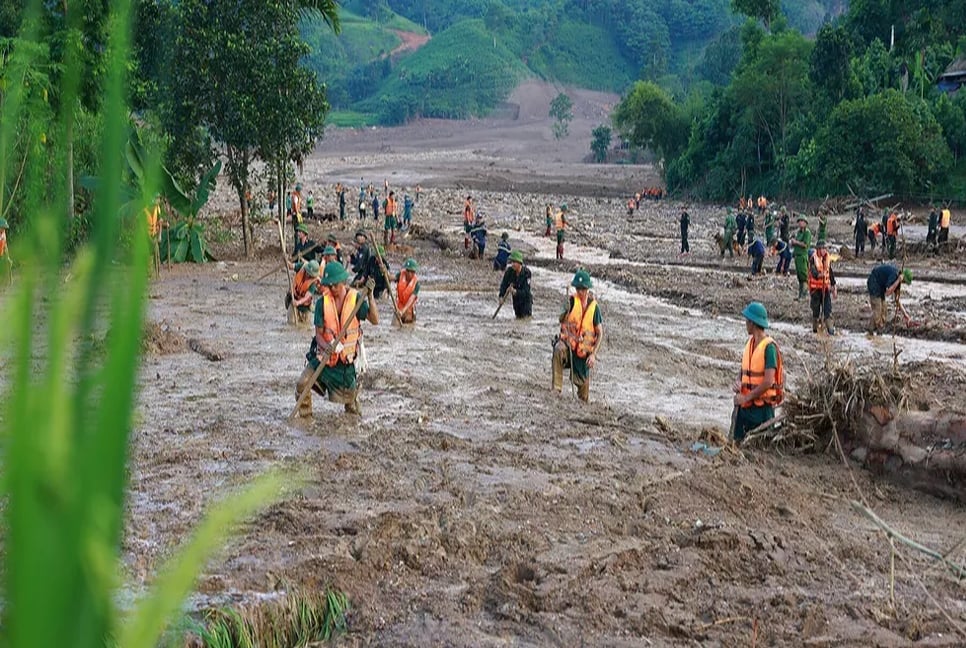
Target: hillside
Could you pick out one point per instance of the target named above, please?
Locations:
(478, 49)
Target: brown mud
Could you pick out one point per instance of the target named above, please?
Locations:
(473, 506)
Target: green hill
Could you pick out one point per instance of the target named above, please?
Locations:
(481, 48)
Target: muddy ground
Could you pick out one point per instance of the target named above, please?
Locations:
(473, 506)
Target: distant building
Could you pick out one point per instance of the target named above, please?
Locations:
(954, 77)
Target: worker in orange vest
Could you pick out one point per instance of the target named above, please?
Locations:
(4, 257)
(892, 232)
(760, 385)
(821, 288)
(407, 291)
(306, 286)
(561, 226)
(944, 220)
(469, 219)
(153, 216)
(333, 316)
(581, 333)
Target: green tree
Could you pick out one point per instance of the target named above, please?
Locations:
(601, 142)
(250, 95)
(648, 118)
(764, 10)
(561, 109)
(885, 142)
(830, 64)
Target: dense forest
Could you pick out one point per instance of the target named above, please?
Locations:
(856, 109)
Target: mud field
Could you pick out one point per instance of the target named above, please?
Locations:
(473, 506)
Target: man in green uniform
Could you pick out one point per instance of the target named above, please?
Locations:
(760, 383)
(800, 245)
(332, 310)
(728, 242)
(581, 333)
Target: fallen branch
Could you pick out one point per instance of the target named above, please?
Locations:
(958, 570)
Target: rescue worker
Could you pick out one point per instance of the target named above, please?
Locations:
(685, 223)
(332, 241)
(360, 259)
(153, 216)
(885, 280)
(340, 195)
(516, 279)
(468, 220)
(740, 221)
(375, 206)
(329, 255)
(757, 253)
(822, 225)
(784, 253)
(561, 225)
(391, 224)
(502, 252)
(305, 248)
(630, 212)
(305, 286)
(581, 333)
(407, 217)
(332, 317)
(873, 234)
(727, 243)
(800, 245)
(760, 384)
(4, 257)
(944, 221)
(375, 267)
(407, 291)
(295, 207)
(892, 232)
(549, 217)
(932, 231)
(861, 228)
(750, 226)
(310, 205)
(769, 228)
(821, 288)
(783, 223)
(363, 202)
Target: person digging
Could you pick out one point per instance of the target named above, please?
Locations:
(581, 333)
(885, 280)
(306, 288)
(759, 387)
(821, 288)
(338, 311)
(516, 280)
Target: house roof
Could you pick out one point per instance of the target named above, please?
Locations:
(956, 68)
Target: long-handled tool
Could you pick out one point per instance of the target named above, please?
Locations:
(329, 350)
(502, 301)
(288, 272)
(385, 275)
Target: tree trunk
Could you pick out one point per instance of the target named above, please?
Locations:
(70, 169)
(924, 450)
(246, 229)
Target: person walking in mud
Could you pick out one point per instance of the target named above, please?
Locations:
(391, 223)
(549, 219)
(305, 248)
(821, 288)
(883, 281)
(516, 281)
(728, 240)
(861, 227)
(306, 288)
(561, 226)
(407, 291)
(581, 333)
(760, 385)
(783, 224)
(502, 252)
(6, 263)
(469, 218)
(685, 222)
(340, 196)
(336, 311)
(800, 245)
(740, 221)
(932, 230)
(363, 202)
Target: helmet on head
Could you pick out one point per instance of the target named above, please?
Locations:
(582, 279)
(756, 314)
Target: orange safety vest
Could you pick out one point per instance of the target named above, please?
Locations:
(3, 242)
(152, 213)
(762, 202)
(302, 283)
(577, 330)
(334, 324)
(468, 214)
(875, 228)
(742, 203)
(404, 289)
(390, 206)
(559, 221)
(892, 225)
(753, 374)
(945, 218)
(824, 280)
(297, 203)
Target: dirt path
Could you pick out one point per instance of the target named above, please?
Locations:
(411, 41)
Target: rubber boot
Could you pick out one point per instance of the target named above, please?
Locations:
(559, 250)
(814, 325)
(466, 243)
(557, 369)
(583, 391)
(305, 407)
(829, 328)
(801, 291)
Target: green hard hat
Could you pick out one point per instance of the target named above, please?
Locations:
(582, 279)
(302, 227)
(3, 223)
(801, 218)
(361, 232)
(335, 273)
(328, 251)
(820, 244)
(411, 264)
(907, 276)
(331, 237)
(312, 268)
(756, 314)
(516, 256)
(563, 207)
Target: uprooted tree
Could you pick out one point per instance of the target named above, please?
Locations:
(247, 88)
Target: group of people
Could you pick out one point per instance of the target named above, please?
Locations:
(648, 193)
